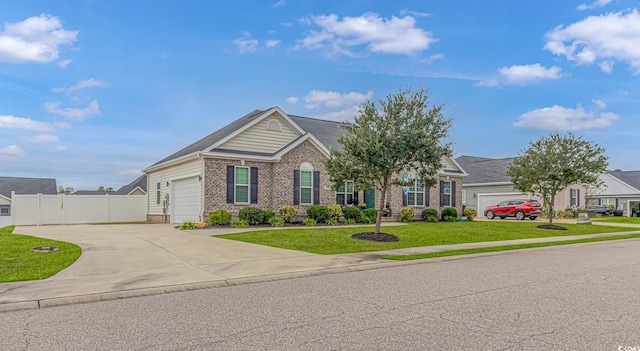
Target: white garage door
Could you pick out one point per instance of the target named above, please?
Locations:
(186, 200)
(485, 200)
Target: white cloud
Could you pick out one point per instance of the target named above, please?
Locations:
(64, 63)
(12, 151)
(522, 75)
(346, 114)
(334, 99)
(88, 83)
(272, 43)
(292, 99)
(246, 44)
(41, 139)
(413, 13)
(12, 122)
(565, 119)
(594, 5)
(432, 58)
(611, 37)
(286, 24)
(599, 103)
(60, 148)
(279, 3)
(606, 66)
(130, 173)
(36, 39)
(79, 114)
(380, 35)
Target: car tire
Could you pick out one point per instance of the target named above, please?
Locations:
(490, 215)
(520, 215)
(532, 217)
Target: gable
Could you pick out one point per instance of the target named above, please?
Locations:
(449, 165)
(267, 136)
(613, 186)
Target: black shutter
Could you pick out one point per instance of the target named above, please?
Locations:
(230, 170)
(356, 201)
(427, 192)
(578, 197)
(453, 194)
(404, 199)
(296, 187)
(254, 185)
(316, 188)
(441, 193)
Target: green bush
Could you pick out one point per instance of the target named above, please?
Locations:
(219, 217)
(288, 213)
(349, 221)
(351, 212)
(406, 214)
(335, 221)
(319, 213)
(449, 218)
(241, 223)
(187, 225)
(276, 222)
(252, 215)
(431, 219)
(309, 222)
(429, 212)
(267, 215)
(335, 212)
(365, 219)
(372, 213)
(449, 212)
(470, 213)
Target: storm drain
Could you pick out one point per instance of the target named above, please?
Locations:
(45, 249)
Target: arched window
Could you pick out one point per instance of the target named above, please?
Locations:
(274, 125)
(306, 183)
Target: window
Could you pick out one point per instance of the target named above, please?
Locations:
(344, 194)
(158, 190)
(415, 195)
(446, 193)
(4, 210)
(464, 196)
(273, 125)
(306, 187)
(242, 185)
(574, 197)
(606, 202)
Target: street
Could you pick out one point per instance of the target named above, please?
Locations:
(583, 297)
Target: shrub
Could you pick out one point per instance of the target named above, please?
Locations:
(429, 212)
(276, 222)
(309, 222)
(449, 212)
(431, 219)
(335, 212)
(372, 213)
(568, 214)
(187, 225)
(406, 214)
(288, 213)
(349, 221)
(220, 217)
(267, 215)
(365, 219)
(351, 212)
(318, 213)
(241, 223)
(470, 213)
(449, 218)
(335, 221)
(252, 215)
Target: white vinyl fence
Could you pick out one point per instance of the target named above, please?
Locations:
(42, 209)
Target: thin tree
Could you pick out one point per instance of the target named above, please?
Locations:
(555, 162)
(401, 134)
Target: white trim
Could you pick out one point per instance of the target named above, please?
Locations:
(172, 162)
(455, 163)
(183, 176)
(487, 184)
(306, 137)
(136, 188)
(233, 156)
(624, 183)
(4, 197)
(463, 197)
(248, 185)
(306, 187)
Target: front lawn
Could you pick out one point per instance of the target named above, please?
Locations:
(19, 263)
(338, 240)
(624, 220)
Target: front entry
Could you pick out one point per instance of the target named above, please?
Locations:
(370, 198)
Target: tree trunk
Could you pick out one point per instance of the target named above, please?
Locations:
(383, 195)
(551, 209)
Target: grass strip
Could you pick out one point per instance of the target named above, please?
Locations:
(505, 248)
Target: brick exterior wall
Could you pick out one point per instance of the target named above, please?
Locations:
(394, 196)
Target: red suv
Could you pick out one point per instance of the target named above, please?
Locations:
(514, 208)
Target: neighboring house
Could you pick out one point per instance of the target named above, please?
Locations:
(488, 184)
(93, 192)
(621, 189)
(137, 187)
(269, 159)
(19, 185)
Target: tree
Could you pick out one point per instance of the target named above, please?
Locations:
(100, 188)
(397, 135)
(553, 163)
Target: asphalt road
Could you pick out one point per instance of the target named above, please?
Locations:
(583, 297)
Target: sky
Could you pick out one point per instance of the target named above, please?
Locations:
(94, 91)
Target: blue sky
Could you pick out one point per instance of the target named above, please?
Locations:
(91, 92)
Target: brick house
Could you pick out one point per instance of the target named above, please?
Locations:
(269, 159)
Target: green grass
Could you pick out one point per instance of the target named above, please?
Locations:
(338, 240)
(504, 248)
(625, 220)
(19, 263)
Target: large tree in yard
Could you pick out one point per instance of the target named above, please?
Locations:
(555, 162)
(401, 134)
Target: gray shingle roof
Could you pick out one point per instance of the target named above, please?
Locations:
(141, 182)
(93, 192)
(485, 170)
(630, 177)
(27, 186)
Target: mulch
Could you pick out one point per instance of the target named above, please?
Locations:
(372, 236)
(551, 226)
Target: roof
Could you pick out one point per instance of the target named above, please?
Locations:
(325, 131)
(140, 182)
(485, 170)
(21, 185)
(93, 192)
(630, 177)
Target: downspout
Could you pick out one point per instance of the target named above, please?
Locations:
(202, 179)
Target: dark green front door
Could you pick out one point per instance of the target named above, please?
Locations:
(370, 198)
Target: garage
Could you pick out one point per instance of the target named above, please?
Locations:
(186, 200)
(485, 200)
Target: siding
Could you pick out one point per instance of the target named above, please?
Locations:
(166, 175)
(260, 139)
(490, 189)
(447, 164)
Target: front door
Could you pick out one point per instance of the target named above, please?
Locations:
(370, 198)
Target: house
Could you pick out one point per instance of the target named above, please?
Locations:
(269, 159)
(621, 189)
(136, 187)
(487, 184)
(93, 192)
(20, 185)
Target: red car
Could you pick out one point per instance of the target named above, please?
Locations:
(520, 209)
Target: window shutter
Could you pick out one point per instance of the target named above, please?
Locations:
(578, 197)
(427, 192)
(356, 201)
(404, 199)
(230, 176)
(453, 194)
(316, 188)
(296, 187)
(254, 185)
(441, 193)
